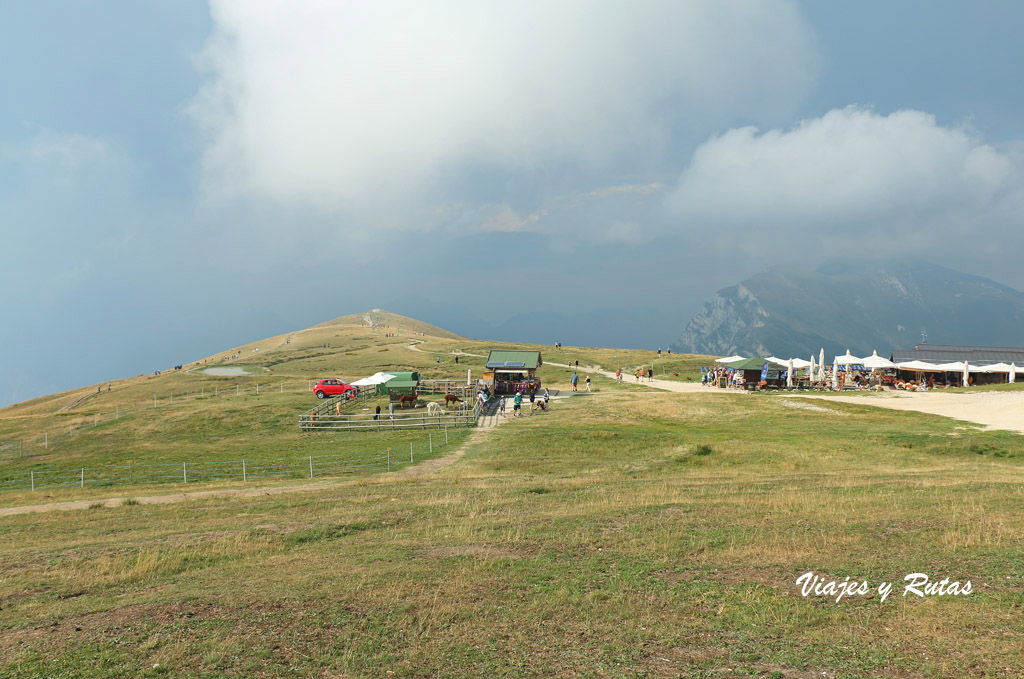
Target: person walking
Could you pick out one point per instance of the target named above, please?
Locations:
(618, 375)
(577, 363)
(517, 404)
(501, 406)
(650, 374)
(574, 380)
(588, 383)
(533, 401)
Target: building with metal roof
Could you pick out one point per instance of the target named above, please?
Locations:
(950, 353)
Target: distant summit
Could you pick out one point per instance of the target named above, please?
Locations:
(394, 321)
(857, 306)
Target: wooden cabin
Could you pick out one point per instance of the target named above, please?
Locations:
(512, 371)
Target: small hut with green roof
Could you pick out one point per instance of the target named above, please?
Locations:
(511, 371)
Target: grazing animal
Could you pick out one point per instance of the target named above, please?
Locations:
(434, 408)
(451, 398)
(409, 398)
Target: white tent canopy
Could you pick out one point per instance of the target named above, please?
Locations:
(729, 359)
(874, 362)
(799, 363)
(955, 366)
(993, 368)
(376, 378)
(847, 359)
(918, 365)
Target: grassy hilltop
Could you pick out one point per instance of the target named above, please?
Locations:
(628, 533)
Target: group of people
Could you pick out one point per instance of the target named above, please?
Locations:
(517, 403)
(575, 382)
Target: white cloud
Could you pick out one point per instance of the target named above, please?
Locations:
(901, 173)
(342, 105)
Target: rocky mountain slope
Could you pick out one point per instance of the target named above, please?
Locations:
(856, 306)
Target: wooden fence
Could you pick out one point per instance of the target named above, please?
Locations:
(464, 417)
(456, 387)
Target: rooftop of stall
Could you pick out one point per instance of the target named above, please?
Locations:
(403, 382)
(506, 366)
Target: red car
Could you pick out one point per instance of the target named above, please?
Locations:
(332, 387)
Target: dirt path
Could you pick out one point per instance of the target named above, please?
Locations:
(992, 409)
(666, 385)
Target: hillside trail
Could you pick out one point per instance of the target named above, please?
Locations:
(77, 402)
(666, 385)
(413, 346)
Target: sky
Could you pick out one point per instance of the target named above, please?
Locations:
(179, 177)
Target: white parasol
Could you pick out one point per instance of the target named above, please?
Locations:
(835, 376)
(1013, 373)
(848, 359)
(876, 362)
(789, 375)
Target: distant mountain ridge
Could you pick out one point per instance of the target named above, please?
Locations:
(857, 306)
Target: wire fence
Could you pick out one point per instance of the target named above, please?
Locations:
(309, 467)
(78, 423)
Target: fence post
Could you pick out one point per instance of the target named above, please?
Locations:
(184, 472)
(410, 452)
(446, 434)
(257, 388)
(186, 395)
(430, 442)
(243, 470)
(129, 473)
(215, 394)
(83, 478)
(46, 442)
(310, 466)
(154, 400)
(236, 390)
(282, 387)
(32, 478)
(389, 463)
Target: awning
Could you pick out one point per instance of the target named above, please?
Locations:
(376, 378)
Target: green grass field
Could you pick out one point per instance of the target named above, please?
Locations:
(622, 534)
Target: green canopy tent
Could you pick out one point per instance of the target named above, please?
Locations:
(751, 368)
